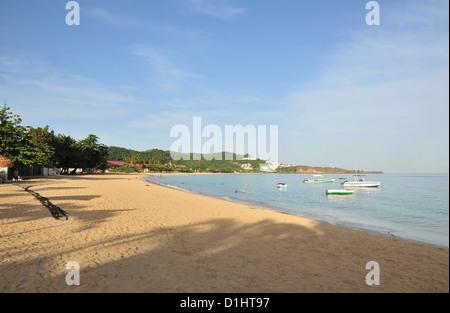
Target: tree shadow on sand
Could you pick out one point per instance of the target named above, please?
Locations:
(17, 211)
(215, 255)
(218, 255)
(64, 188)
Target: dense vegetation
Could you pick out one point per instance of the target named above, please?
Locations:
(159, 160)
(122, 154)
(219, 164)
(40, 147)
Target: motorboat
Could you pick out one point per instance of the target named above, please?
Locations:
(318, 180)
(359, 181)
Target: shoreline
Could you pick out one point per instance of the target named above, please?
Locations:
(283, 210)
(130, 235)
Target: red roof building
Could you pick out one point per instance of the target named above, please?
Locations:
(120, 163)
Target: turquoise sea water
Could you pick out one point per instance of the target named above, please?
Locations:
(412, 206)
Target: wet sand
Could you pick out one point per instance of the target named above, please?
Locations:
(128, 235)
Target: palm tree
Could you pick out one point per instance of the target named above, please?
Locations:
(136, 159)
(153, 160)
(162, 160)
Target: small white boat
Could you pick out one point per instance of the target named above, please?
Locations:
(361, 182)
(282, 185)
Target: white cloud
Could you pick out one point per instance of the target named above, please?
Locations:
(165, 74)
(216, 8)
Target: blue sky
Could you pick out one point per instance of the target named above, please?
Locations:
(344, 94)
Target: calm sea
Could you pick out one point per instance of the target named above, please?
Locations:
(413, 206)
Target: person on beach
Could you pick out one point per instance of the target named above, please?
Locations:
(16, 175)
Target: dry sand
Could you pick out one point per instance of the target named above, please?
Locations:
(130, 236)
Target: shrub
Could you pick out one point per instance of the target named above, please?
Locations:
(126, 168)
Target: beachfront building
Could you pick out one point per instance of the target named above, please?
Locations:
(5, 164)
(121, 163)
(271, 166)
(283, 165)
(116, 163)
(268, 167)
(247, 167)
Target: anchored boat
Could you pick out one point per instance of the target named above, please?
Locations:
(318, 180)
(361, 182)
(339, 192)
(282, 185)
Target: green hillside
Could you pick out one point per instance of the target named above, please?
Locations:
(160, 160)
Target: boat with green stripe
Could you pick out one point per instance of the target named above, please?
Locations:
(317, 180)
(339, 192)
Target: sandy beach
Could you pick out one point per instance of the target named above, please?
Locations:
(128, 235)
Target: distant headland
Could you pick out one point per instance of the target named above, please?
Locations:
(305, 169)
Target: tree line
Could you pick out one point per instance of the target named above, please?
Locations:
(152, 156)
(41, 147)
(157, 160)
